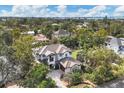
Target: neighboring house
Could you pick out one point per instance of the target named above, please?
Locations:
(60, 33)
(116, 44)
(28, 33)
(54, 55)
(40, 38)
(82, 25)
(55, 24)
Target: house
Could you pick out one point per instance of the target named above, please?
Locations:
(85, 24)
(28, 33)
(41, 38)
(55, 24)
(31, 32)
(56, 56)
(116, 44)
(69, 64)
(60, 33)
(53, 53)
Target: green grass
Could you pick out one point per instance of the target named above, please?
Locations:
(74, 53)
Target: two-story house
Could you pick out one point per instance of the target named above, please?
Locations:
(53, 53)
(56, 56)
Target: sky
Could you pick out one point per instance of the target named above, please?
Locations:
(61, 11)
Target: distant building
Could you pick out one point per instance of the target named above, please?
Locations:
(55, 24)
(60, 33)
(41, 38)
(28, 33)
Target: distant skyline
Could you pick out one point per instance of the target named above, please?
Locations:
(61, 11)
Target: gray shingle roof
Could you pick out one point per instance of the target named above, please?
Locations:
(113, 41)
(53, 48)
(61, 32)
(69, 62)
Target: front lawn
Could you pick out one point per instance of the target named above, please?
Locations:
(74, 53)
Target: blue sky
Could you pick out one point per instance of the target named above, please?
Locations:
(61, 11)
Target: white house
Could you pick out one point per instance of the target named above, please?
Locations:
(54, 54)
(28, 33)
(116, 44)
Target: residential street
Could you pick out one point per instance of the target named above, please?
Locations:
(55, 75)
(118, 83)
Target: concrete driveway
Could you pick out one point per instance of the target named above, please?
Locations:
(55, 75)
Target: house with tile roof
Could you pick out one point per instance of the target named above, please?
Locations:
(57, 56)
(41, 38)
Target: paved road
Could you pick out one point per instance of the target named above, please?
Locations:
(55, 75)
(118, 83)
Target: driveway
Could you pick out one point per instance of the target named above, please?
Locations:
(55, 75)
(118, 83)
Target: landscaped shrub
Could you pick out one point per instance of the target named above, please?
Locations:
(73, 78)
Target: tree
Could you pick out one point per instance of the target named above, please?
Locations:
(37, 77)
(8, 71)
(71, 42)
(47, 31)
(48, 83)
(23, 53)
(102, 56)
(7, 38)
(100, 63)
(4, 71)
(85, 39)
(73, 78)
(99, 37)
(16, 33)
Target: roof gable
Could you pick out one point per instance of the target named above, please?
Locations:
(53, 49)
(69, 62)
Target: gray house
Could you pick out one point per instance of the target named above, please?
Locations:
(116, 44)
(60, 33)
(53, 53)
(56, 55)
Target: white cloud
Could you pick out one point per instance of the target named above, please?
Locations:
(61, 8)
(44, 11)
(119, 11)
(26, 11)
(97, 11)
